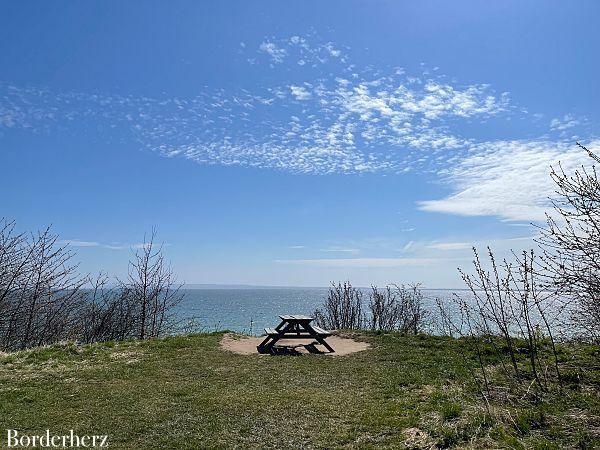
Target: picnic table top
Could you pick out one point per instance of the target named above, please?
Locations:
(295, 317)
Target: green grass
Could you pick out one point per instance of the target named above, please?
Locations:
(186, 392)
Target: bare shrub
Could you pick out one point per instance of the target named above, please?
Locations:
(412, 315)
(508, 315)
(140, 307)
(395, 308)
(40, 289)
(399, 309)
(383, 306)
(13, 266)
(43, 299)
(107, 313)
(342, 309)
(571, 240)
(151, 290)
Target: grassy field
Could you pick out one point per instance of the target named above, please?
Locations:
(185, 392)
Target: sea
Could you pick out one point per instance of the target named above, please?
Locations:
(251, 309)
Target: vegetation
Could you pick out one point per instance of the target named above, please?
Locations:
(507, 315)
(342, 309)
(184, 391)
(398, 309)
(571, 244)
(514, 317)
(39, 289)
(43, 298)
(395, 308)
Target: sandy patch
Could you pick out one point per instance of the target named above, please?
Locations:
(128, 356)
(246, 345)
(416, 438)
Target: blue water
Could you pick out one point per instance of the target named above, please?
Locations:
(250, 310)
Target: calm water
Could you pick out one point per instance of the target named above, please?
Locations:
(252, 309)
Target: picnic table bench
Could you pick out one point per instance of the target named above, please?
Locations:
(294, 327)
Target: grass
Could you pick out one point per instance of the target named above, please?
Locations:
(186, 392)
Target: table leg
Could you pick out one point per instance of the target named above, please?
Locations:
(318, 338)
(325, 344)
(270, 341)
(263, 344)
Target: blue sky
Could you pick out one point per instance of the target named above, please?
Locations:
(282, 143)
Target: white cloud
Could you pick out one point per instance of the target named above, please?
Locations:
(117, 246)
(339, 123)
(507, 179)
(349, 120)
(111, 246)
(450, 245)
(332, 50)
(300, 93)
(297, 246)
(408, 246)
(360, 262)
(277, 54)
(340, 250)
(568, 121)
(79, 243)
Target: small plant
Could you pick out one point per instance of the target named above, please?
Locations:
(451, 411)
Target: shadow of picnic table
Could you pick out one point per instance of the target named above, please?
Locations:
(293, 350)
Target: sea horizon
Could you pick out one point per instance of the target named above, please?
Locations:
(251, 309)
(269, 286)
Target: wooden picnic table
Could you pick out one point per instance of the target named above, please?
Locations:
(294, 327)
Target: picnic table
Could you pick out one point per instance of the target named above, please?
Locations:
(294, 327)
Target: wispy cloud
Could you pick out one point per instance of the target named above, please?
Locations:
(276, 53)
(408, 246)
(308, 50)
(450, 245)
(360, 262)
(507, 179)
(300, 92)
(564, 123)
(79, 243)
(111, 246)
(335, 117)
(340, 250)
(464, 247)
(343, 119)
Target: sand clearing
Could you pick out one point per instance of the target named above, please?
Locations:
(245, 345)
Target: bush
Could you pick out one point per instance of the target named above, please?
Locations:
(398, 309)
(342, 309)
(43, 299)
